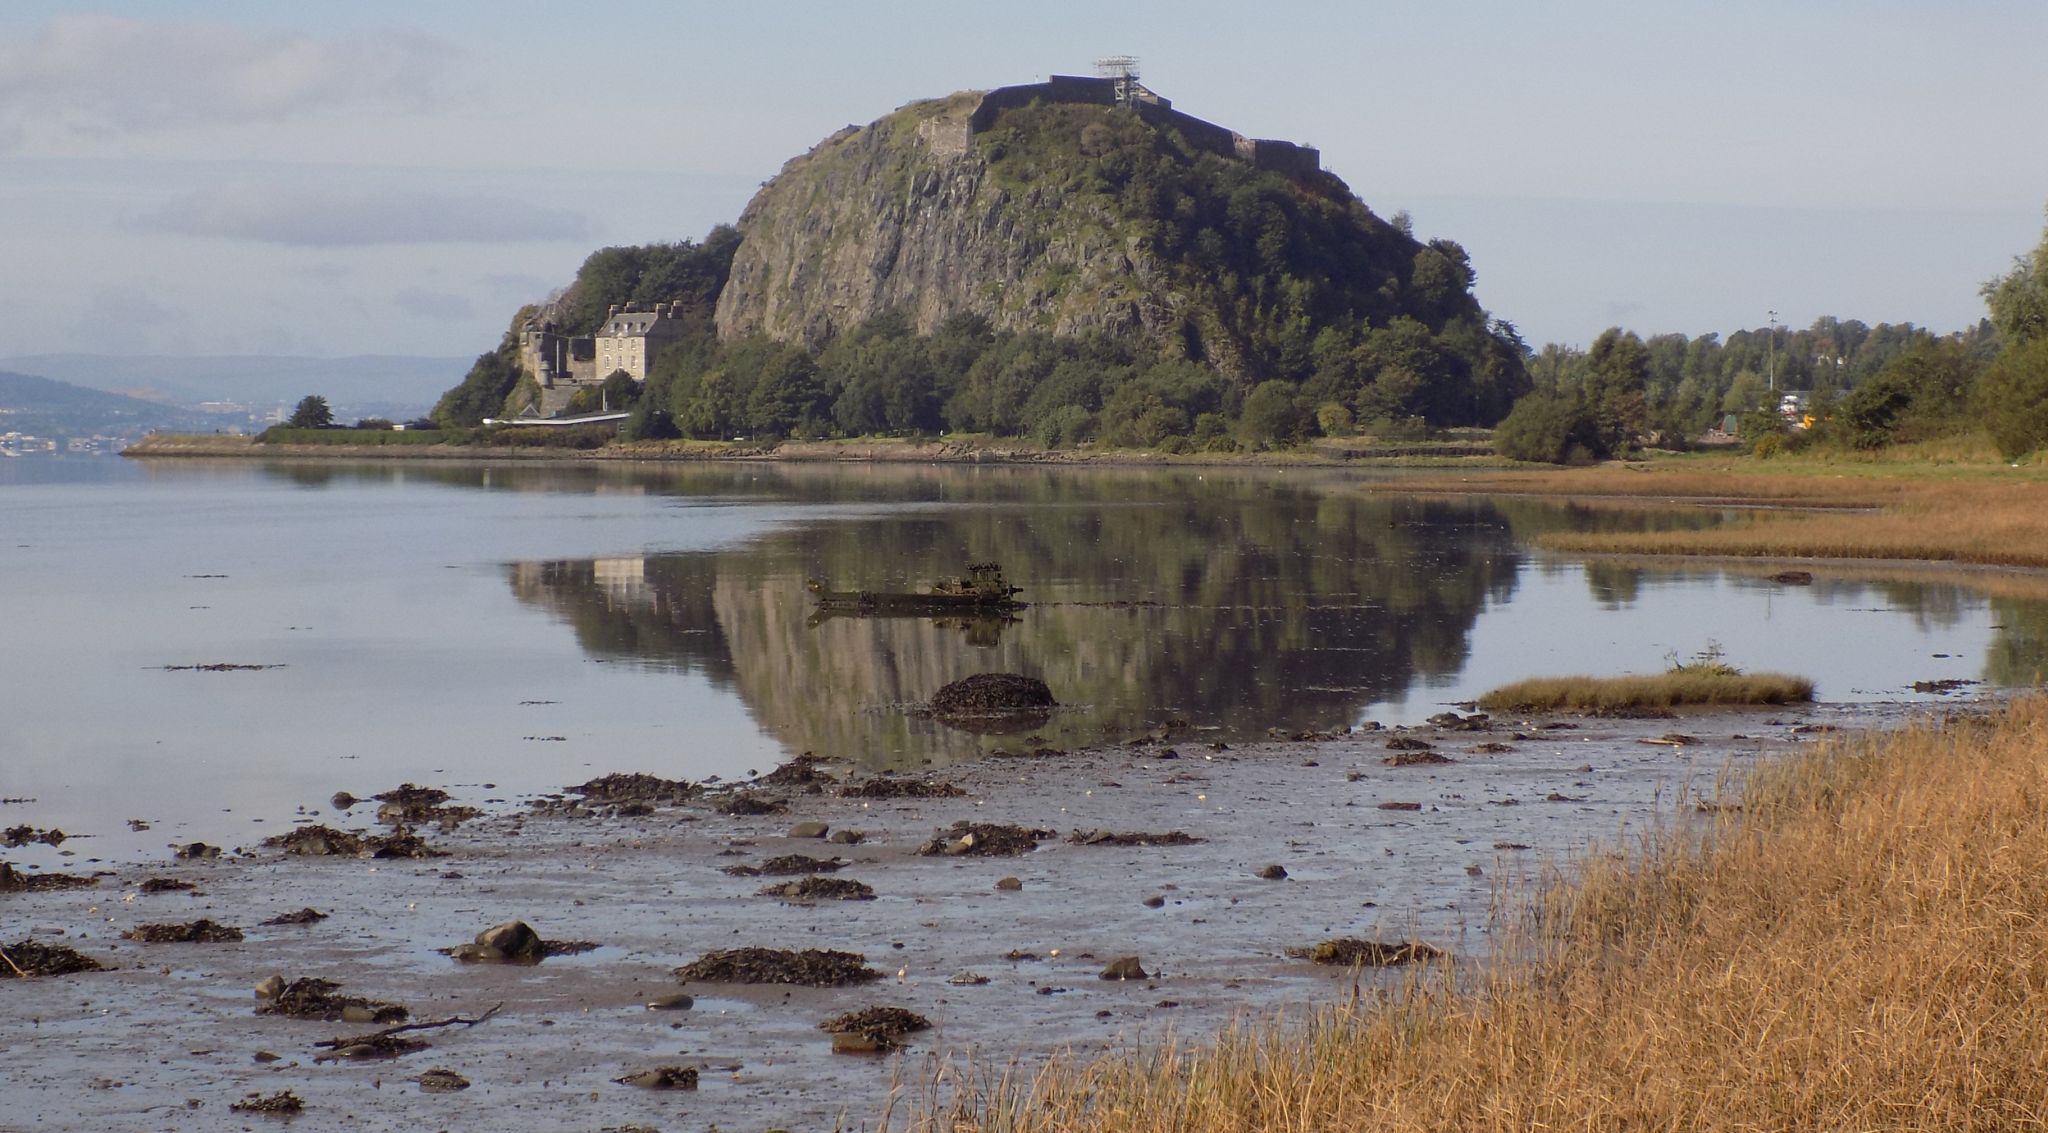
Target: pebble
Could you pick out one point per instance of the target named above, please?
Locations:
(680, 1001)
(809, 830)
(270, 987)
(845, 837)
(1274, 873)
(1010, 884)
(1153, 902)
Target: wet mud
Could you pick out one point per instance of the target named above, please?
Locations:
(1206, 883)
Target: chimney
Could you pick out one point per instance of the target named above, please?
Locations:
(615, 310)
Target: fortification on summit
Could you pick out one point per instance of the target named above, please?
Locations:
(1123, 91)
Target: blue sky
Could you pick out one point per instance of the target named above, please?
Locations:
(253, 178)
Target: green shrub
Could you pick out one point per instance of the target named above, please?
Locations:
(1552, 428)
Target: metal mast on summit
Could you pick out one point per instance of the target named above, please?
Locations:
(1122, 70)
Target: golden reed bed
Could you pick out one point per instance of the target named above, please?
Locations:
(1982, 515)
(1861, 944)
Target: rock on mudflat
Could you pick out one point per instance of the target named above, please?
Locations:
(809, 830)
(662, 1078)
(441, 1079)
(1125, 968)
(1273, 873)
(515, 940)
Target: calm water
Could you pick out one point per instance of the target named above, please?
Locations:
(505, 630)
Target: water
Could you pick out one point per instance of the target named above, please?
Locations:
(503, 630)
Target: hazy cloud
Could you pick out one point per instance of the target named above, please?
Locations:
(100, 74)
(127, 319)
(318, 216)
(420, 302)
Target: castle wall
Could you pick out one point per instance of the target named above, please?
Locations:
(1265, 153)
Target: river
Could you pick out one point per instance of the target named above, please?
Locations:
(503, 630)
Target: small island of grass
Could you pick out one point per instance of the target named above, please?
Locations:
(1705, 680)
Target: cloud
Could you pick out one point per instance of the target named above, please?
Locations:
(442, 305)
(319, 216)
(107, 75)
(126, 319)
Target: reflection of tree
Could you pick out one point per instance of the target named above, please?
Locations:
(2019, 654)
(1237, 605)
(1614, 585)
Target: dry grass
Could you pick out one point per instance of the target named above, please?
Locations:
(1860, 945)
(1989, 515)
(1659, 690)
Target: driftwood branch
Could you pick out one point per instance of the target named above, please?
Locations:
(450, 1021)
(12, 964)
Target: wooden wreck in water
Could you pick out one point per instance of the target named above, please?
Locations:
(982, 590)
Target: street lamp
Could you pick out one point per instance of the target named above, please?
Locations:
(1771, 351)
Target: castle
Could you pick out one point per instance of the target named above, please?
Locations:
(628, 342)
(956, 135)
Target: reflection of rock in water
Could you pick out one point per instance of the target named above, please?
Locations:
(1237, 606)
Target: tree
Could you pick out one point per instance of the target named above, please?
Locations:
(1617, 376)
(1555, 428)
(313, 412)
(1272, 414)
(482, 392)
(2019, 298)
(2012, 397)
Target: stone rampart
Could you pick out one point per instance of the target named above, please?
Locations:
(1265, 153)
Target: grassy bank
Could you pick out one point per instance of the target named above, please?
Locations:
(1979, 513)
(1859, 945)
(1657, 690)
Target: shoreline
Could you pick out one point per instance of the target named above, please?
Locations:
(1420, 852)
(163, 446)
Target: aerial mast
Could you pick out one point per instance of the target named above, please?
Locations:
(1122, 71)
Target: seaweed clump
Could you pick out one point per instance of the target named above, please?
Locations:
(812, 967)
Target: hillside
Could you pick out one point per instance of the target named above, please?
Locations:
(1074, 219)
(1072, 261)
(394, 386)
(47, 408)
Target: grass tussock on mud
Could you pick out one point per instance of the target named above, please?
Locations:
(1659, 690)
(1858, 946)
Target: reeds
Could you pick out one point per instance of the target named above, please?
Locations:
(1861, 943)
(1987, 516)
(1659, 690)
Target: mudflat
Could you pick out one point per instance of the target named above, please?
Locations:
(1078, 900)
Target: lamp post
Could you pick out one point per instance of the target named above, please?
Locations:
(1771, 352)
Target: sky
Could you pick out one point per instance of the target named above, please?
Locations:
(225, 177)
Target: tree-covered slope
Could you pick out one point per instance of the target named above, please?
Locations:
(1078, 220)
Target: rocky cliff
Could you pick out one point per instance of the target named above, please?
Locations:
(1070, 219)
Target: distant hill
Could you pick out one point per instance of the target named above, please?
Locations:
(46, 408)
(394, 386)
